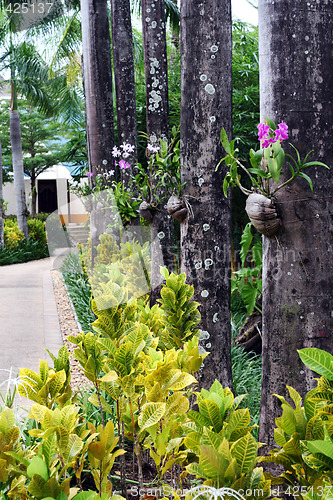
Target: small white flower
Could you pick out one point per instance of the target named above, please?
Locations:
(116, 152)
(127, 148)
(153, 149)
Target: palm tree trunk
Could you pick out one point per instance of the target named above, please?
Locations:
(206, 107)
(17, 159)
(97, 77)
(2, 239)
(296, 86)
(157, 102)
(123, 64)
(97, 82)
(33, 195)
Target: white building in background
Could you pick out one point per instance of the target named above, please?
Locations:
(53, 195)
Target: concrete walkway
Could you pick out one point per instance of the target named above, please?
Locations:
(28, 317)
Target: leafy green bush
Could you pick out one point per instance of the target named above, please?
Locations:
(225, 450)
(36, 229)
(127, 265)
(12, 234)
(42, 216)
(17, 249)
(26, 250)
(304, 434)
(127, 205)
(144, 393)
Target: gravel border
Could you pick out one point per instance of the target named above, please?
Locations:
(68, 326)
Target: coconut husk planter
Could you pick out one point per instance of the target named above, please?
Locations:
(177, 208)
(263, 214)
(146, 211)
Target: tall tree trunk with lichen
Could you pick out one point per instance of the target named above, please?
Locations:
(17, 160)
(97, 76)
(97, 82)
(156, 73)
(206, 107)
(123, 64)
(296, 86)
(2, 238)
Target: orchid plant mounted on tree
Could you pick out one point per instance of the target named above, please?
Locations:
(163, 167)
(149, 185)
(266, 166)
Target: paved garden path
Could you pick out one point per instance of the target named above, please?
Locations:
(28, 317)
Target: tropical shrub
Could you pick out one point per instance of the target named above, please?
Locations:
(304, 434)
(17, 249)
(26, 250)
(144, 391)
(225, 451)
(126, 264)
(63, 444)
(127, 205)
(36, 228)
(144, 359)
(12, 234)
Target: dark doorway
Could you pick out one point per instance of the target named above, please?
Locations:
(47, 196)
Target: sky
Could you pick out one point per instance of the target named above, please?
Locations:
(242, 10)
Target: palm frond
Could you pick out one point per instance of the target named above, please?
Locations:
(172, 15)
(69, 101)
(69, 44)
(138, 52)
